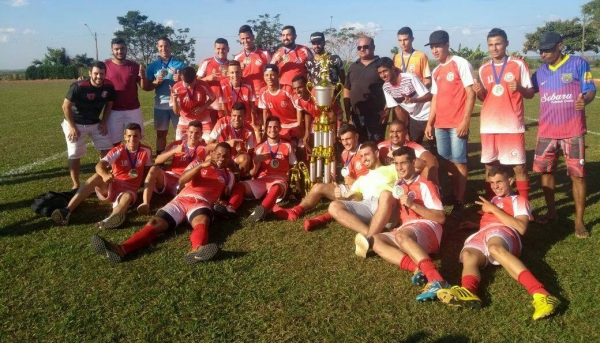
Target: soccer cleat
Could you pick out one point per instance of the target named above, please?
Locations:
(201, 253)
(108, 250)
(111, 222)
(430, 290)
(143, 209)
(61, 216)
(225, 211)
(459, 297)
(258, 214)
(544, 305)
(362, 245)
(418, 278)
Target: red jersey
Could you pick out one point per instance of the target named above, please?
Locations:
(125, 78)
(502, 110)
(425, 193)
(190, 98)
(180, 161)
(245, 94)
(224, 131)
(280, 104)
(209, 183)
(307, 106)
(122, 161)
(352, 161)
(513, 205)
(280, 158)
(386, 146)
(210, 66)
(448, 85)
(253, 64)
(291, 62)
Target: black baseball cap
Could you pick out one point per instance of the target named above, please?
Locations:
(317, 36)
(548, 40)
(438, 37)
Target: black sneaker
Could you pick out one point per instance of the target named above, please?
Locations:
(458, 211)
(108, 250)
(225, 211)
(201, 253)
(258, 214)
(61, 216)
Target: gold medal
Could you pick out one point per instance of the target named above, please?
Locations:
(498, 90)
(223, 70)
(238, 148)
(274, 163)
(133, 173)
(286, 59)
(345, 172)
(247, 60)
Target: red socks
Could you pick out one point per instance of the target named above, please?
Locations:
(199, 236)
(530, 283)
(428, 268)
(140, 239)
(275, 192)
(470, 282)
(237, 195)
(407, 264)
(316, 221)
(523, 188)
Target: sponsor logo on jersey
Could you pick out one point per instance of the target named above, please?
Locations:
(566, 77)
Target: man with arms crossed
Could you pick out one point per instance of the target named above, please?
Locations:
(566, 86)
(82, 106)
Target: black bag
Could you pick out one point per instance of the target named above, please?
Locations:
(44, 204)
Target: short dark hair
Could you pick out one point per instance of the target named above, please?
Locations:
(133, 127)
(385, 62)
(345, 128)
(238, 106)
(98, 64)
(399, 122)
(224, 145)
(404, 150)
(195, 123)
(165, 38)
(117, 40)
(300, 77)
(369, 144)
(273, 67)
(496, 32)
(405, 31)
(289, 27)
(503, 170)
(189, 74)
(221, 41)
(233, 63)
(245, 29)
(272, 118)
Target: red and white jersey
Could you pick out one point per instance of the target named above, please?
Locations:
(425, 193)
(208, 183)
(280, 104)
(502, 111)
(244, 93)
(291, 62)
(181, 160)
(448, 86)
(307, 106)
(253, 65)
(513, 205)
(386, 148)
(224, 131)
(191, 98)
(352, 161)
(280, 158)
(210, 66)
(121, 161)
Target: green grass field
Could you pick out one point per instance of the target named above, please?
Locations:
(271, 281)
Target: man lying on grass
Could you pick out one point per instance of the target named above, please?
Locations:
(118, 177)
(498, 241)
(208, 180)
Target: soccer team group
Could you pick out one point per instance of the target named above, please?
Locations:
(242, 124)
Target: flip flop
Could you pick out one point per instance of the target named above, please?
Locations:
(582, 233)
(544, 220)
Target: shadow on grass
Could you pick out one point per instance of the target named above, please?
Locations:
(423, 336)
(43, 175)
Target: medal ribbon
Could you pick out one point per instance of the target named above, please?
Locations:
(404, 67)
(250, 53)
(236, 95)
(187, 151)
(217, 60)
(190, 95)
(273, 154)
(132, 163)
(166, 65)
(347, 162)
(498, 78)
(224, 174)
(288, 51)
(236, 136)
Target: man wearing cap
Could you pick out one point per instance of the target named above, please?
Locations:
(566, 86)
(291, 57)
(363, 94)
(450, 115)
(336, 66)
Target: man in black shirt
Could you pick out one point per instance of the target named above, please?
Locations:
(82, 106)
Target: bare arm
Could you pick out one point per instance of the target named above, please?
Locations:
(519, 223)
(189, 174)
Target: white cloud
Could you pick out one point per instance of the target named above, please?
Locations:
(553, 17)
(28, 32)
(170, 22)
(466, 31)
(19, 3)
(368, 27)
(3, 38)
(438, 28)
(8, 30)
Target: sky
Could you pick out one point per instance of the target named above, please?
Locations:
(27, 27)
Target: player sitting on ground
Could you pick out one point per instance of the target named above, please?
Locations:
(207, 181)
(181, 153)
(118, 177)
(422, 216)
(498, 241)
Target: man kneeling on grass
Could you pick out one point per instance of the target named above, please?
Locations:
(422, 216)
(118, 177)
(208, 180)
(498, 241)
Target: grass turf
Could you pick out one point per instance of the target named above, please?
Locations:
(271, 281)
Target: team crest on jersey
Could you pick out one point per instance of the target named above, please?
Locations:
(258, 61)
(358, 166)
(204, 172)
(500, 205)
(450, 76)
(411, 68)
(283, 104)
(104, 94)
(566, 78)
(91, 96)
(509, 77)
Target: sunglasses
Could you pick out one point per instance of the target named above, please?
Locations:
(363, 47)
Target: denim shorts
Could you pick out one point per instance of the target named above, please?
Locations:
(162, 117)
(450, 146)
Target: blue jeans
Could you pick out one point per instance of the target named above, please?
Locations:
(450, 146)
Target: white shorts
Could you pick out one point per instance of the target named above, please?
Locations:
(77, 148)
(428, 232)
(262, 185)
(182, 207)
(478, 240)
(117, 120)
(365, 210)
